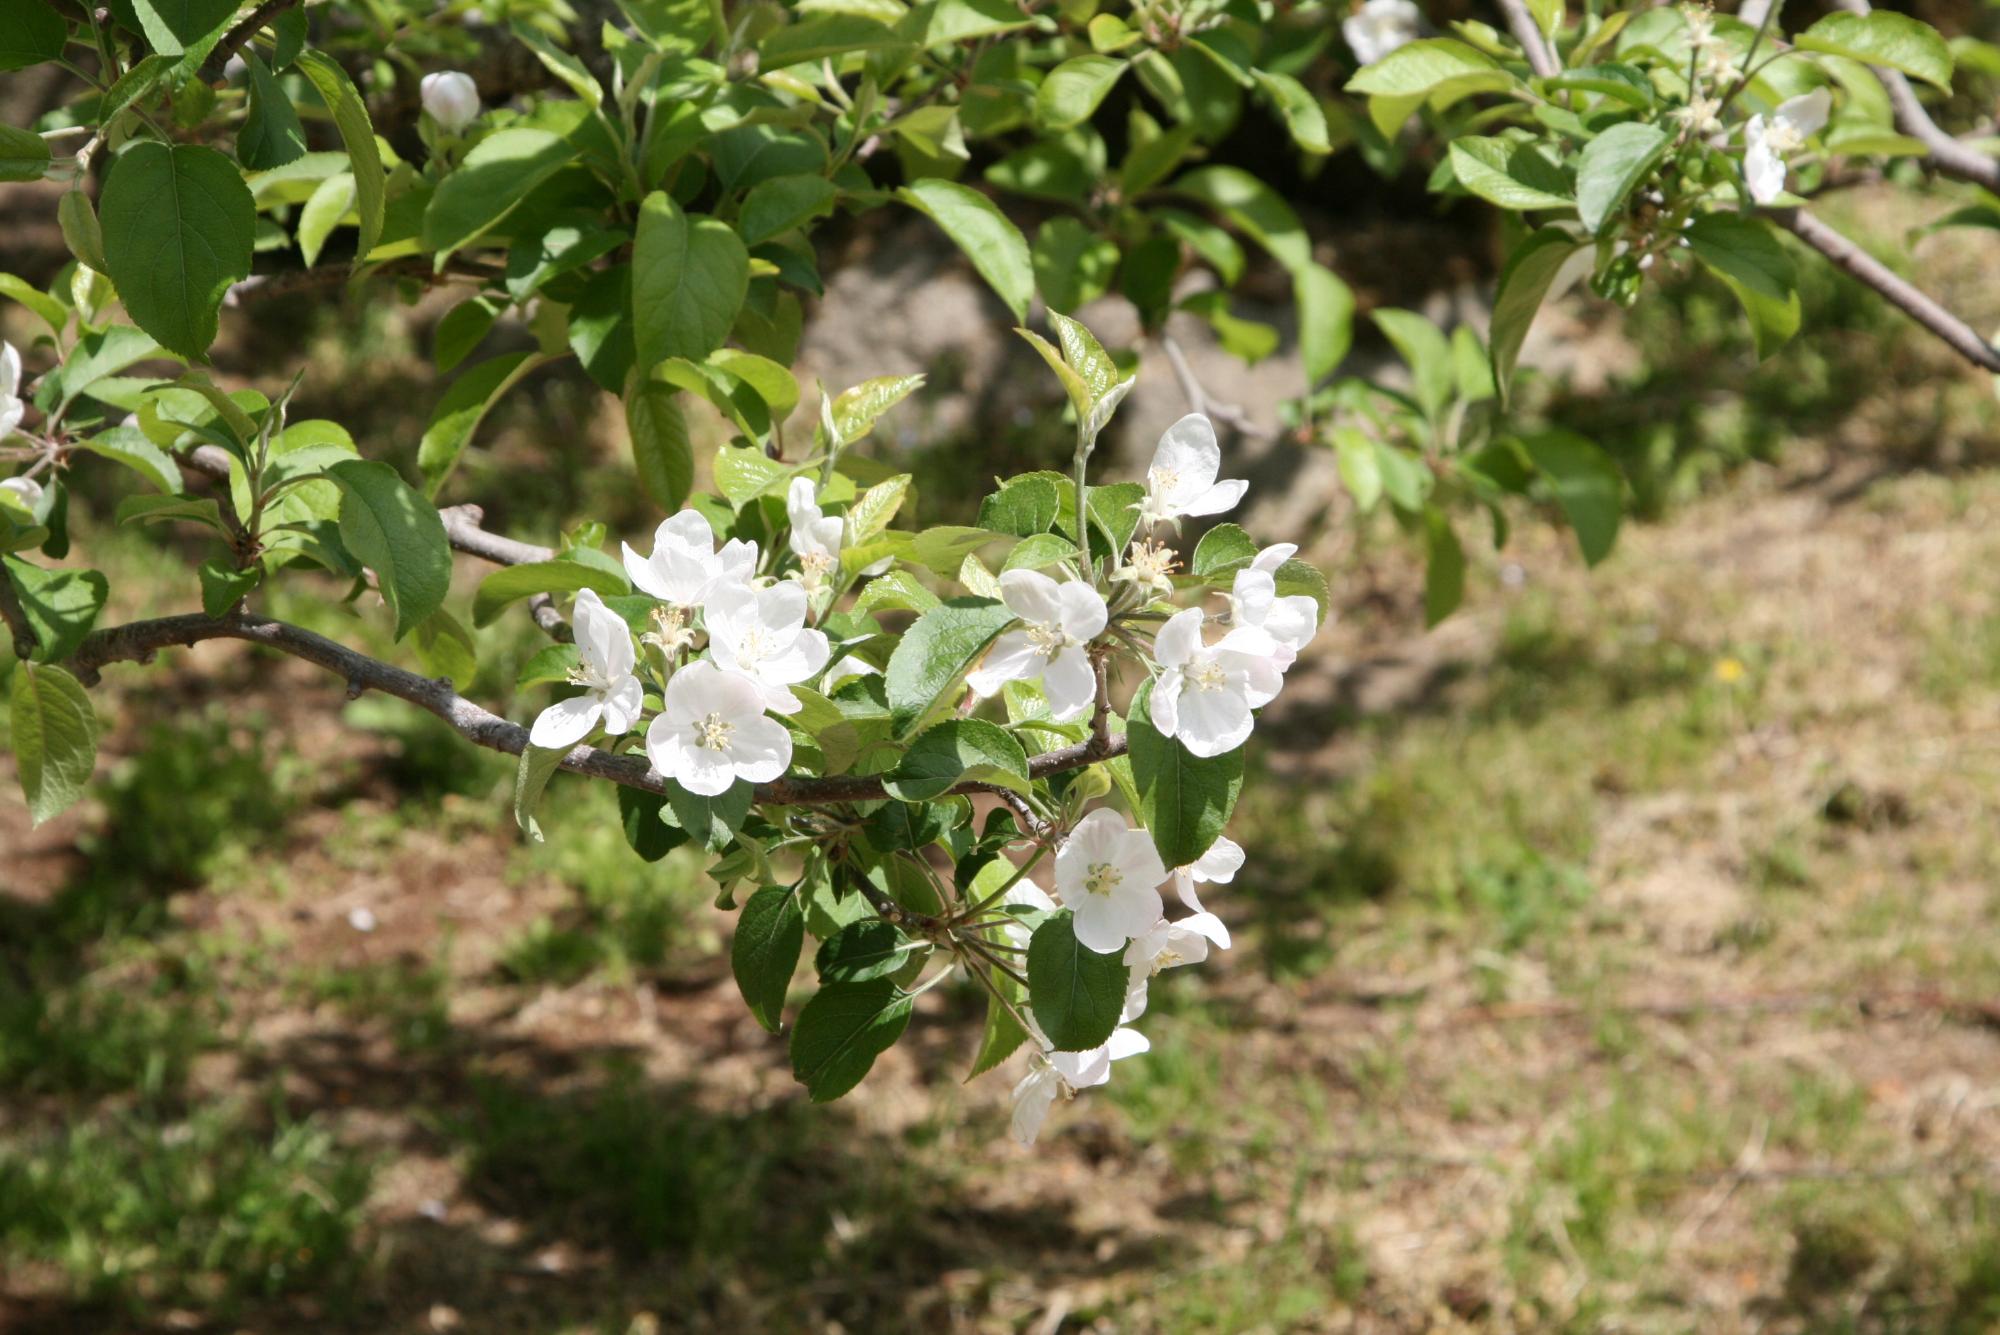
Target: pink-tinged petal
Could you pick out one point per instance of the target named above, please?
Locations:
(761, 749)
(622, 704)
(1083, 612)
(1070, 684)
(1186, 459)
(1206, 925)
(1220, 863)
(1012, 658)
(1179, 638)
(1164, 705)
(1221, 497)
(566, 722)
(1214, 722)
(1031, 596)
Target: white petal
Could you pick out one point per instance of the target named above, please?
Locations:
(1218, 498)
(760, 749)
(602, 636)
(566, 722)
(1083, 611)
(10, 370)
(1762, 168)
(1220, 863)
(1807, 112)
(1033, 1098)
(1140, 862)
(782, 608)
(1179, 638)
(1070, 684)
(622, 704)
(705, 772)
(1013, 657)
(1164, 705)
(1206, 925)
(1274, 556)
(1186, 460)
(735, 562)
(1213, 722)
(1031, 596)
(800, 660)
(1126, 1043)
(1105, 922)
(12, 410)
(1184, 883)
(667, 744)
(1137, 985)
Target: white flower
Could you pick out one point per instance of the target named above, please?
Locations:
(1205, 693)
(1109, 875)
(11, 407)
(762, 634)
(611, 693)
(1060, 622)
(1767, 144)
(1181, 479)
(713, 732)
(1379, 27)
(1168, 946)
(1150, 566)
(1025, 894)
(815, 537)
(685, 565)
(1053, 1074)
(29, 490)
(1290, 621)
(451, 98)
(1218, 866)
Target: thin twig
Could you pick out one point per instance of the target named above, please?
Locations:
(239, 37)
(1529, 34)
(1947, 154)
(139, 641)
(1845, 255)
(1199, 400)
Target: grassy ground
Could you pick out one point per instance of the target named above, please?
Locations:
(1619, 956)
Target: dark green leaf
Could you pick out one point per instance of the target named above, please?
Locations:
(223, 585)
(1612, 166)
(538, 765)
(24, 155)
(641, 815)
(272, 134)
(1184, 799)
(711, 821)
(61, 605)
(770, 933)
(1444, 574)
(688, 281)
(1587, 485)
(1524, 281)
(934, 654)
(178, 224)
(1077, 994)
(864, 950)
(395, 532)
(959, 750)
(842, 1030)
(1745, 255)
(31, 34)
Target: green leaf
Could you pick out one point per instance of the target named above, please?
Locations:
(24, 155)
(1418, 67)
(45, 307)
(776, 206)
(175, 27)
(178, 224)
(1252, 207)
(1184, 799)
(223, 585)
(994, 245)
(496, 175)
(134, 84)
(357, 135)
(874, 508)
(864, 950)
(1039, 552)
(1746, 255)
(934, 654)
(31, 34)
(1444, 573)
(1883, 38)
(1073, 265)
(711, 821)
(641, 813)
(1612, 165)
(396, 533)
(446, 648)
(662, 452)
(842, 1030)
(460, 411)
(1587, 485)
(1023, 506)
(1512, 175)
(272, 134)
(856, 410)
(538, 765)
(744, 473)
(60, 605)
(770, 933)
(1297, 107)
(1423, 346)
(823, 36)
(1360, 468)
(463, 328)
(1326, 319)
(1002, 1033)
(600, 327)
(159, 509)
(55, 738)
(954, 752)
(1524, 282)
(567, 68)
(509, 584)
(77, 218)
(1077, 994)
(688, 282)
(327, 208)
(1224, 549)
(1072, 91)
(129, 446)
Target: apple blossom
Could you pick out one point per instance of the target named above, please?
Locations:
(712, 731)
(816, 537)
(611, 694)
(1291, 620)
(29, 490)
(451, 98)
(1149, 566)
(12, 409)
(1181, 480)
(1053, 1074)
(1767, 144)
(1204, 693)
(1109, 876)
(762, 634)
(685, 564)
(1052, 646)
(1381, 26)
(1218, 866)
(1168, 946)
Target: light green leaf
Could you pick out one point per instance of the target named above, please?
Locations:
(357, 135)
(61, 605)
(842, 1030)
(874, 508)
(1184, 799)
(1297, 107)
(55, 738)
(856, 410)
(776, 206)
(1073, 90)
(129, 446)
(496, 175)
(1077, 994)
(934, 654)
(1360, 469)
(1514, 176)
(331, 202)
(1883, 38)
(538, 765)
(1746, 255)
(1225, 548)
(223, 585)
(178, 225)
(1417, 68)
(1073, 265)
(1254, 208)
(770, 933)
(509, 584)
(1444, 571)
(1587, 485)
(24, 155)
(688, 282)
(1612, 166)
(1326, 319)
(1422, 345)
(396, 533)
(566, 67)
(994, 245)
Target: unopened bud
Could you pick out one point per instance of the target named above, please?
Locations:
(451, 98)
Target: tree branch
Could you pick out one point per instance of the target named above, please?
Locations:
(1845, 255)
(1947, 154)
(1229, 414)
(16, 620)
(239, 37)
(139, 641)
(1529, 34)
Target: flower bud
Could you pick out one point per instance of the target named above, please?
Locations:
(451, 98)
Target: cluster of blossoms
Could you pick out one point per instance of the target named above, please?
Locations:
(1768, 141)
